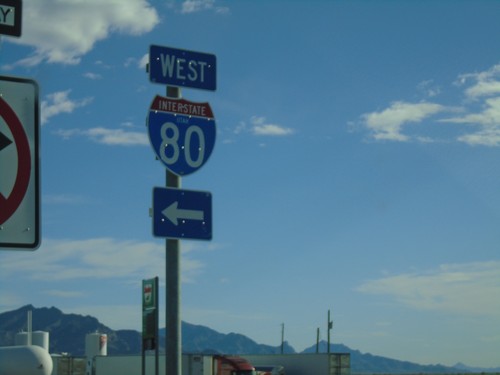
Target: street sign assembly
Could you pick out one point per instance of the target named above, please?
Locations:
(10, 17)
(182, 133)
(19, 164)
(182, 214)
(182, 68)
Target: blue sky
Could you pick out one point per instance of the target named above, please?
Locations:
(355, 169)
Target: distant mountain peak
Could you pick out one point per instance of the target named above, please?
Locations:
(67, 334)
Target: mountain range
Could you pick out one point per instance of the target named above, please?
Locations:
(67, 334)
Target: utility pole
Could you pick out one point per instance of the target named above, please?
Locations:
(282, 337)
(317, 340)
(173, 344)
(330, 326)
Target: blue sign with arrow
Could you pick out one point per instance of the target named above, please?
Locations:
(182, 214)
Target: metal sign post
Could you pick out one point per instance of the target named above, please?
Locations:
(173, 345)
(150, 322)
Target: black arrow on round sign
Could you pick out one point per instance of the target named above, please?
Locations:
(4, 141)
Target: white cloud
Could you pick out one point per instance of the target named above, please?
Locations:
(485, 137)
(388, 124)
(95, 258)
(130, 317)
(92, 76)
(489, 117)
(240, 128)
(63, 31)
(192, 6)
(195, 6)
(429, 88)
(62, 199)
(484, 89)
(111, 137)
(222, 10)
(471, 288)
(261, 127)
(480, 90)
(271, 129)
(64, 293)
(485, 86)
(117, 137)
(488, 121)
(143, 61)
(58, 103)
(484, 83)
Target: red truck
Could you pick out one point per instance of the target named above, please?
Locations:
(270, 370)
(232, 365)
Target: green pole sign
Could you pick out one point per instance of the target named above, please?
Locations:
(150, 311)
(149, 294)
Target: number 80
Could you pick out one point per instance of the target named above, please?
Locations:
(170, 141)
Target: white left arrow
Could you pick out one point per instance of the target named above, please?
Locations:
(173, 214)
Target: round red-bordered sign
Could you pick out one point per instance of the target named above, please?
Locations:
(9, 205)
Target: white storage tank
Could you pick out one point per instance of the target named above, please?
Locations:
(41, 339)
(96, 344)
(25, 360)
(21, 338)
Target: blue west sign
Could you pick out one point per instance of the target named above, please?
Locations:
(182, 68)
(182, 214)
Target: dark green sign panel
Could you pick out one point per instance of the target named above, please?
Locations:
(150, 312)
(149, 294)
